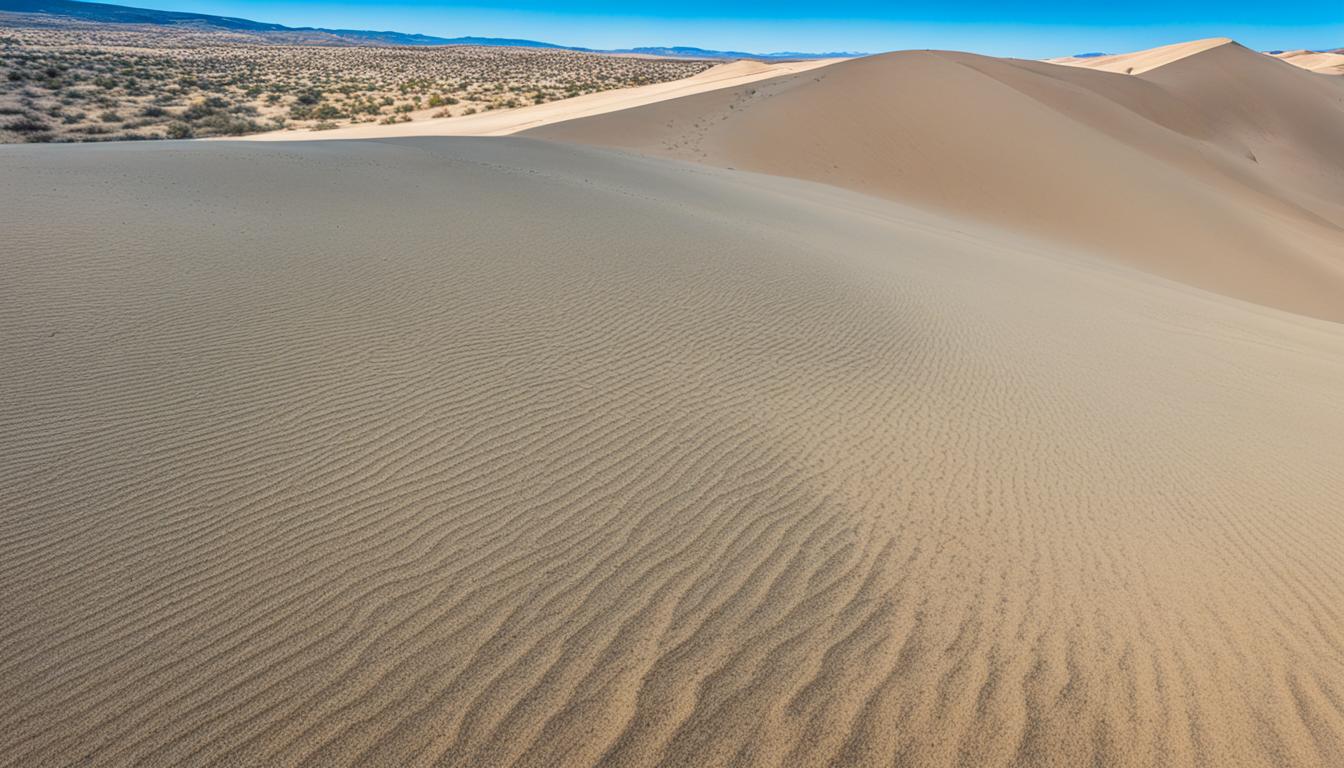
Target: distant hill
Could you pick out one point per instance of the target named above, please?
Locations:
(120, 14)
(687, 52)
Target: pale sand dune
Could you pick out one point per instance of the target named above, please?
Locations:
(1325, 62)
(560, 456)
(1138, 62)
(508, 121)
(1223, 169)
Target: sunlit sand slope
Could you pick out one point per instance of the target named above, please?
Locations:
(1223, 169)
(1138, 62)
(499, 452)
(1327, 62)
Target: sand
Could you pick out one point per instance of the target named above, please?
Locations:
(1138, 62)
(1222, 169)
(503, 122)
(480, 452)
(1324, 62)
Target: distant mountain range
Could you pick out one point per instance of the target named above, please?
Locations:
(120, 14)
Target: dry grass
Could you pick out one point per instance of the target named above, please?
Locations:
(88, 82)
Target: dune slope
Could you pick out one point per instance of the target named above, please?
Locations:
(560, 456)
(1222, 170)
(1138, 62)
(1325, 62)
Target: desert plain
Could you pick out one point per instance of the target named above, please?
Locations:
(920, 409)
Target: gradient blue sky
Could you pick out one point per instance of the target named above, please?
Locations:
(1034, 29)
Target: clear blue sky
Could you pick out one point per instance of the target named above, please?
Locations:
(1028, 29)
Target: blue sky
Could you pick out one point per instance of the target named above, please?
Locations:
(1033, 29)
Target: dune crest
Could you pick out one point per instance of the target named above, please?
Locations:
(1324, 62)
(1138, 62)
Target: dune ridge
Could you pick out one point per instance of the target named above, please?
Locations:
(1221, 168)
(574, 457)
(1138, 62)
(1324, 62)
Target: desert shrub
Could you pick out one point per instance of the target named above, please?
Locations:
(27, 124)
(110, 117)
(328, 112)
(179, 131)
(230, 126)
(153, 111)
(325, 125)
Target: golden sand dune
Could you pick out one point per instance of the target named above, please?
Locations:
(1222, 169)
(508, 121)
(561, 456)
(1329, 63)
(1138, 62)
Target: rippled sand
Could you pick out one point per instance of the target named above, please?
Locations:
(499, 452)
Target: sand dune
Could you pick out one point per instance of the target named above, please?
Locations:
(562, 456)
(1222, 169)
(1324, 62)
(1138, 62)
(507, 121)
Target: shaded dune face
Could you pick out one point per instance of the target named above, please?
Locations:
(559, 456)
(1222, 169)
